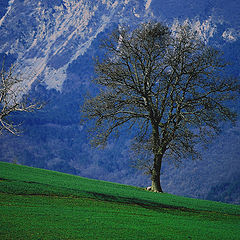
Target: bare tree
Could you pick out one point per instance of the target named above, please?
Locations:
(13, 99)
(168, 86)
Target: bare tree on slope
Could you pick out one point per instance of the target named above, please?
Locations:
(168, 86)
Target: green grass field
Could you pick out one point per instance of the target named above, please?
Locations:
(41, 204)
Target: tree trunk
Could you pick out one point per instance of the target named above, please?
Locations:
(156, 184)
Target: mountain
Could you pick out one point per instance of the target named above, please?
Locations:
(53, 44)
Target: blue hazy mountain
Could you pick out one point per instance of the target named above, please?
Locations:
(53, 43)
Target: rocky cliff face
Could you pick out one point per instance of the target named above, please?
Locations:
(47, 36)
(54, 41)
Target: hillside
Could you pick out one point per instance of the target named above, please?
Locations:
(42, 204)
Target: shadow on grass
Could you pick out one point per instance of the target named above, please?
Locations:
(136, 201)
(31, 188)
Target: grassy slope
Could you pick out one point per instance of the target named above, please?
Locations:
(41, 204)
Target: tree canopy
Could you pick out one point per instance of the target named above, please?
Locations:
(13, 99)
